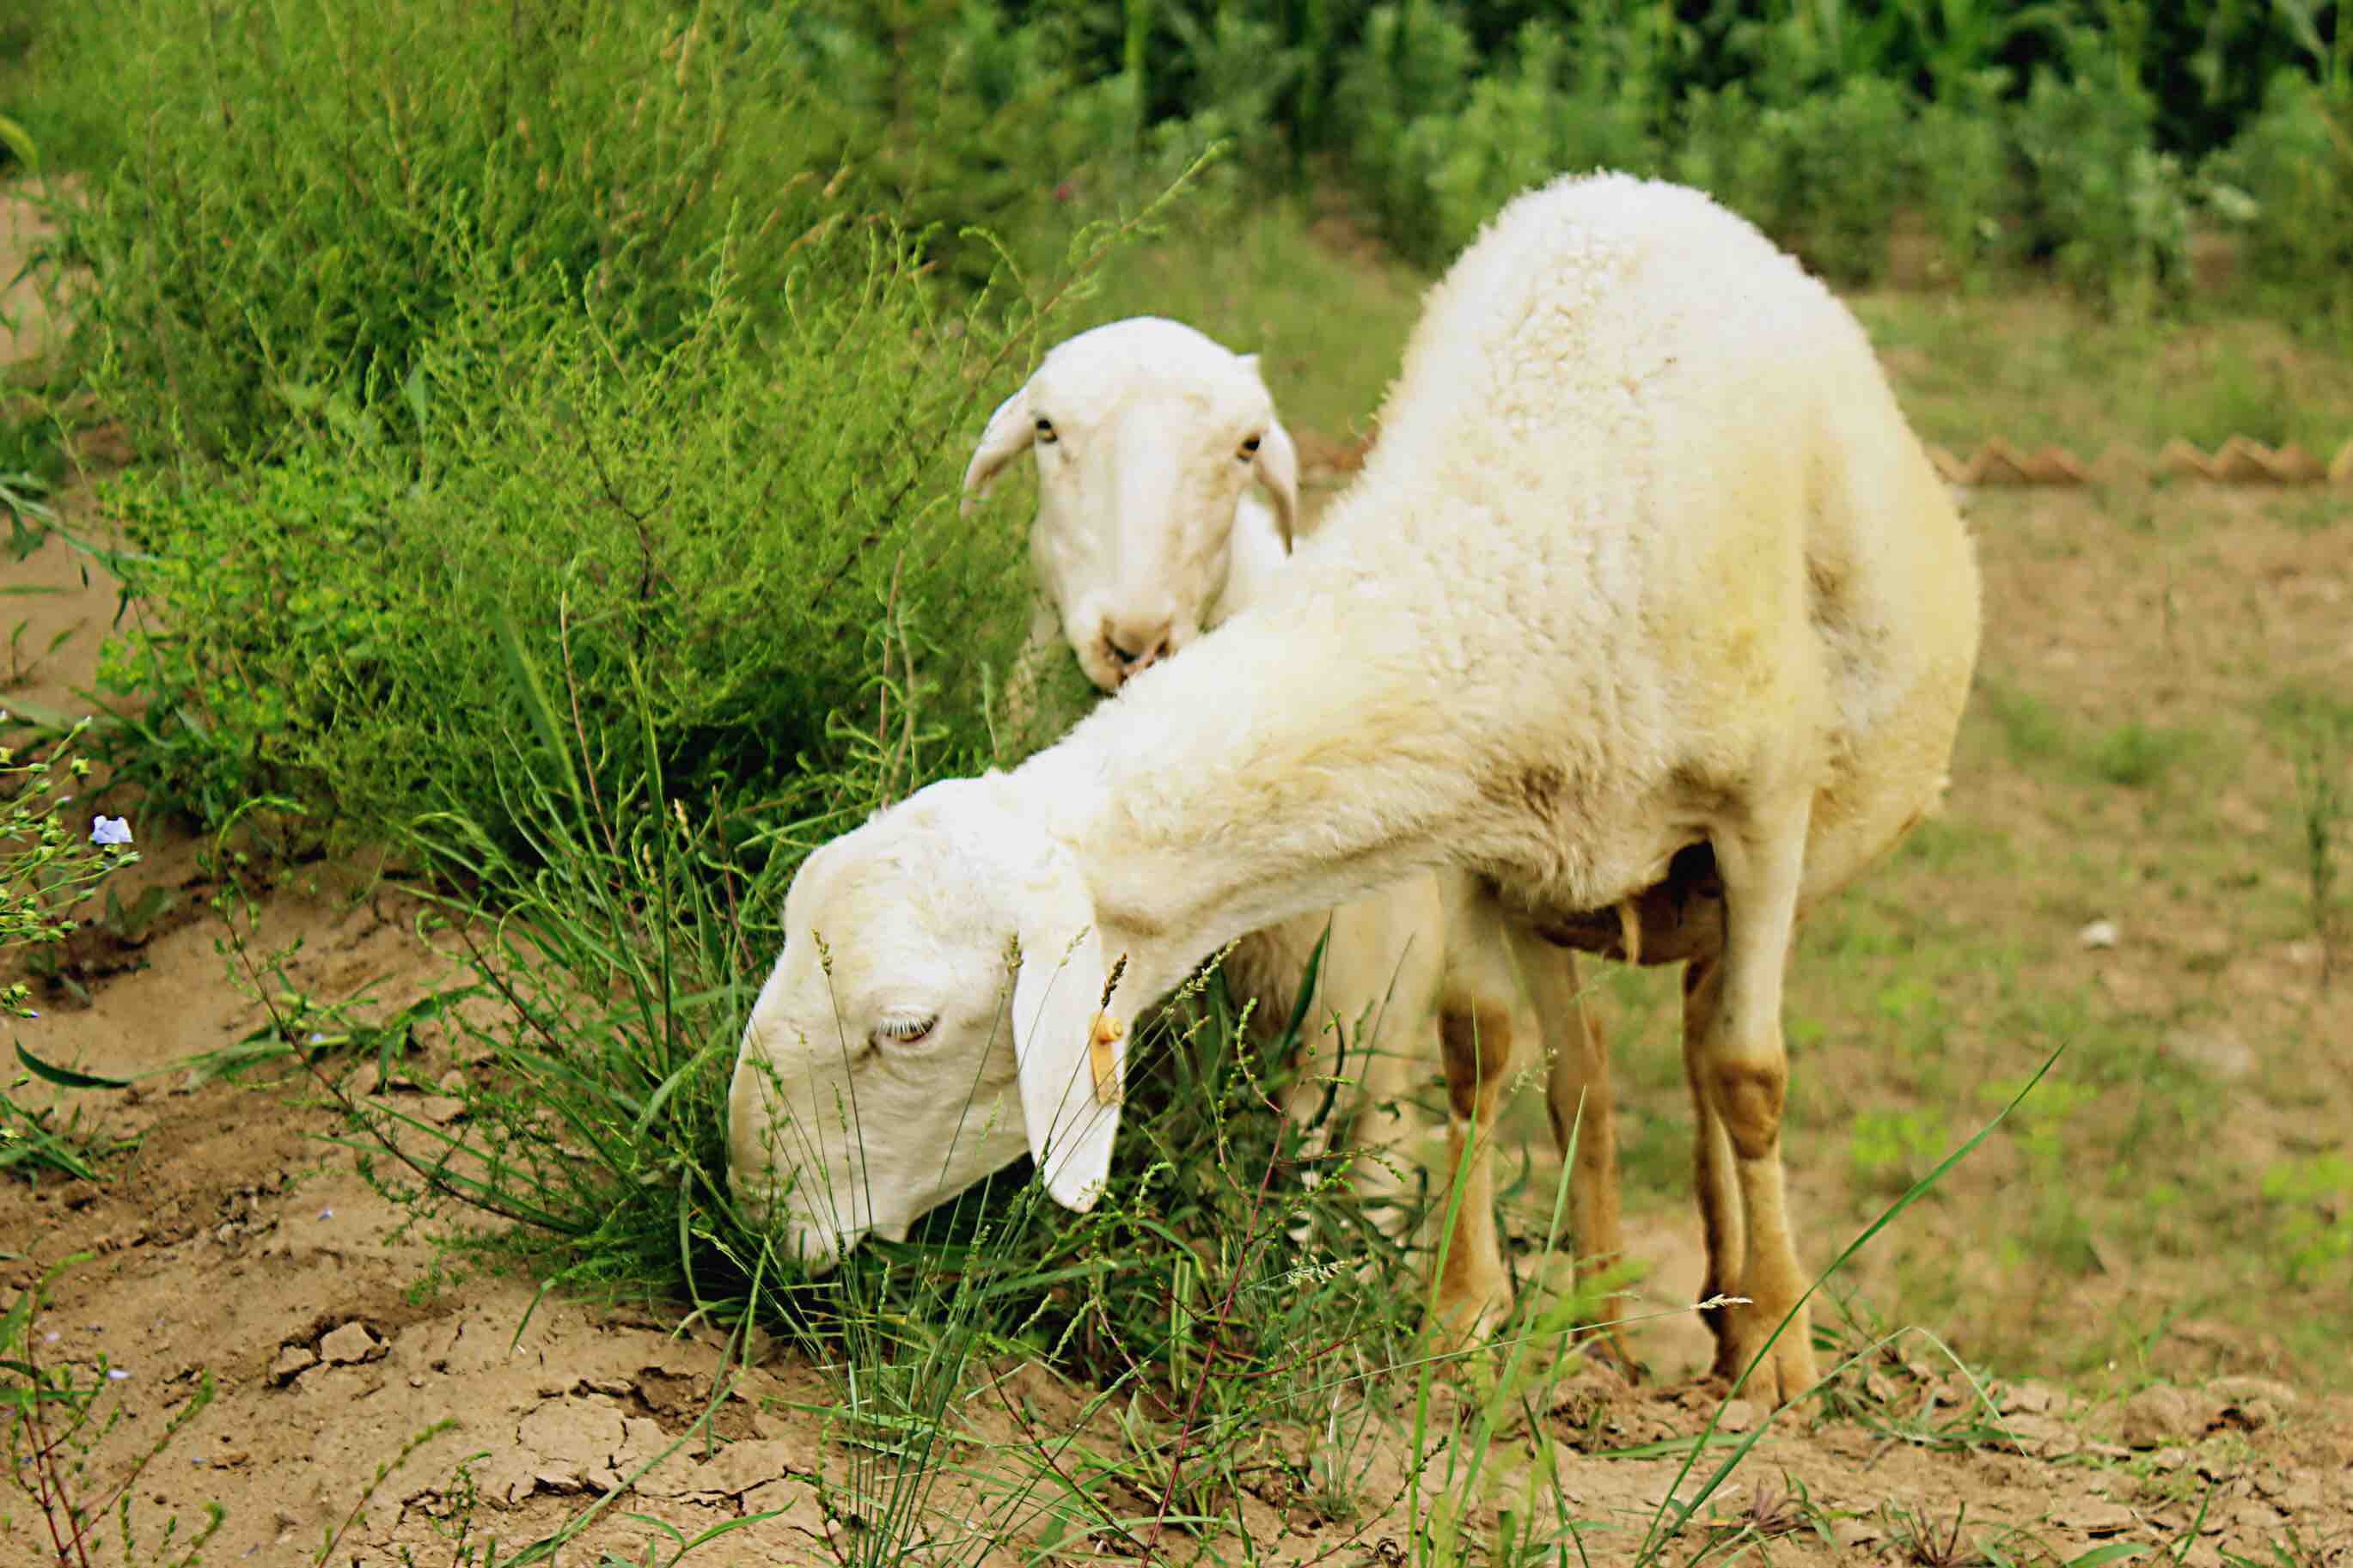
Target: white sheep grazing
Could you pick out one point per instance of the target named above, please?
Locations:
(1647, 597)
(1109, 552)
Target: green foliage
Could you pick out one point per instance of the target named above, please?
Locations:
(47, 869)
(2289, 183)
(1823, 174)
(1889, 1149)
(249, 245)
(1397, 96)
(2312, 1214)
(707, 535)
(600, 149)
(2111, 209)
(2138, 756)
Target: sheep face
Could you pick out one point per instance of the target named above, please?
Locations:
(1145, 434)
(882, 1071)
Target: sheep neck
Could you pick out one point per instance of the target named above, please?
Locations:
(1210, 799)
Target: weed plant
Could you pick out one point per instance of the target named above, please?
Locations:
(55, 1413)
(50, 867)
(710, 532)
(252, 250)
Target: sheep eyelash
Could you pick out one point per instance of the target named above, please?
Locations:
(1249, 451)
(905, 1029)
(1045, 436)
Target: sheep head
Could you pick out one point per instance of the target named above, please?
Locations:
(1146, 435)
(882, 1071)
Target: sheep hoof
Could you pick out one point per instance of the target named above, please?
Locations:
(1469, 1318)
(1787, 1370)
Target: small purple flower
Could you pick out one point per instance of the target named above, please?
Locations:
(111, 830)
(326, 1214)
(115, 1374)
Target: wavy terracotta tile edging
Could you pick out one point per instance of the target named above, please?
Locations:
(2238, 461)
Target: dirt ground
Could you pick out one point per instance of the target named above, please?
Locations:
(235, 1239)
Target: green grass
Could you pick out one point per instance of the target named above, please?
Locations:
(2034, 368)
(1264, 280)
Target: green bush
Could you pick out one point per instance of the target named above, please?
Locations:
(1823, 175)
(708, 536)
(1397, 96)
(1969, 181)
(1443, 149)
(275, 218)
(2111, 210)
(50, 864)
(2291, 171)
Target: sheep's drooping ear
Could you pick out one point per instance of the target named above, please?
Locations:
(1072, 1056)
(1277, 469)
(1008, 435)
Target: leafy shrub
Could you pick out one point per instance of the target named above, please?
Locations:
(2292, 170)
(1397, 93)
(1243, 71)
(1969, 179)
(47, 867)
(707, 536)
(1524, 125)
(1823, 176)
(1443, 150)
(247, 239)
(2111, 210)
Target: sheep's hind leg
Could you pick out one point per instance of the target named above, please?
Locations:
(1479, 1005)
(1584, 1116)
(1741, 1078)
(1382, 1129)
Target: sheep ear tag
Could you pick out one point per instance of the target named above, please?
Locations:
(1102, 1042)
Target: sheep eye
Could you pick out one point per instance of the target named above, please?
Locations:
(905, 1030)
(1046, 432)
(1250, 450)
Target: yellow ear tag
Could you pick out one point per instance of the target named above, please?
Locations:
(1100, 1040)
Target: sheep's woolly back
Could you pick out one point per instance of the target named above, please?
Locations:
(1644, 536)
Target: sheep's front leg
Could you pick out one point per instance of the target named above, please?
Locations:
(1584, 1117)
(1722, 1232)
(1741, 1078)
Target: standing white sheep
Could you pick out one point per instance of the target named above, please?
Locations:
(1646, 595)
(1117, 557)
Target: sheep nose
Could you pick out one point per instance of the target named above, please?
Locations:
(1132, 651)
